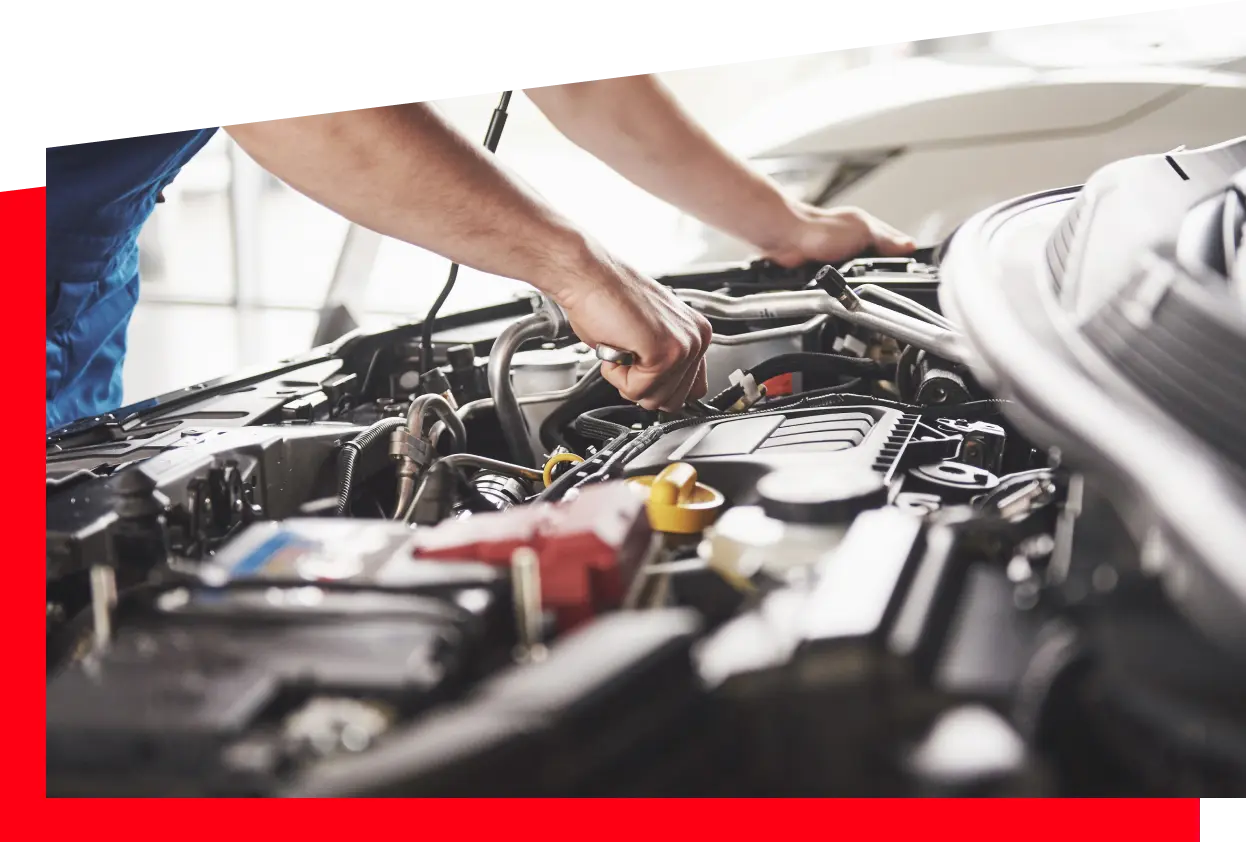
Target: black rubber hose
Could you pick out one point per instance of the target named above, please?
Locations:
(598, 429)
(576, 475)
(592, 425)
(566, 413)
(972, 409)
(350, 453)
(804, 362)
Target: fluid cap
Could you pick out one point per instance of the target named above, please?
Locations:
(797, 495)
(677, 502)
(435, 381)
(461, 357)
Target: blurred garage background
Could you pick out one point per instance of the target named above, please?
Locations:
(237, 268)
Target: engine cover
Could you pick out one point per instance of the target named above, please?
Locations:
(732, 455)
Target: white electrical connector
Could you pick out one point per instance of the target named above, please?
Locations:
(851, 345)
(752, 391)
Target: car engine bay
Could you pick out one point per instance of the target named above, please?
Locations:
(881, 558)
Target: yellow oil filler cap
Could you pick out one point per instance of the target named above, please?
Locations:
(677, 503)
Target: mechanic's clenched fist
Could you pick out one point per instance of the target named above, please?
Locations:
(620, 307)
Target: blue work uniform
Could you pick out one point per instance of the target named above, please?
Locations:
(98, 197)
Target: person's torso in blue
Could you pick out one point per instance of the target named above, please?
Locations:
(98, 197)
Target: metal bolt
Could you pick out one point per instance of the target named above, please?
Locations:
(103, 598)
(526, 588)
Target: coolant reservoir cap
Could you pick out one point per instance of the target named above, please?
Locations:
(677, 502)
(796, 495)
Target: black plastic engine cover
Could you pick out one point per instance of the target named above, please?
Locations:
(732, 455)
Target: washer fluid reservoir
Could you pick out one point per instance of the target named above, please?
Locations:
(801, 516)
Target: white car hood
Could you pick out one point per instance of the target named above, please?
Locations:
(926, 101)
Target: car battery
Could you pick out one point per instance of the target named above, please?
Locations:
(363, 556)
(301, 636)
(205, 691)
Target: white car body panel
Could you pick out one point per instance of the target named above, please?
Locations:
(974, 135)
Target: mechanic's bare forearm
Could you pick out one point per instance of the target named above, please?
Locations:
(637, 127)
(403, 172)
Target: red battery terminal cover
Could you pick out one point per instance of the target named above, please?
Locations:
(589, 547)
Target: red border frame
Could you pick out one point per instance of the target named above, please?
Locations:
(22, 219)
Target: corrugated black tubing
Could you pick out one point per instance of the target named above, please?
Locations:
(350, 453)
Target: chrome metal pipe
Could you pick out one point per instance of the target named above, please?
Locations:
(805, 303)
(907, 305)
(428, 405)
(755, 336)
(471, 460)
(421, 409)
(540, 325)
(497, 466)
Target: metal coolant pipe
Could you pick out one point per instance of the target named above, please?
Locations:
(546, 323)
(805, 303)
(417, 419)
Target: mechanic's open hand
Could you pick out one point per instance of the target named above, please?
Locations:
(625, 309)
(835, 234)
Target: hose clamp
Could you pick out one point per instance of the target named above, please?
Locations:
(411, 450)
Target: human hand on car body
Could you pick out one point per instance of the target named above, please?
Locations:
(636, 125)
(831, 235)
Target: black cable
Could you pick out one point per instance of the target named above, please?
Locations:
(572, 478)
(492, 136)
(784, 402)
(593, 425)
(803, 363)
(972, 409)
(566, 412)
(350, 453)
